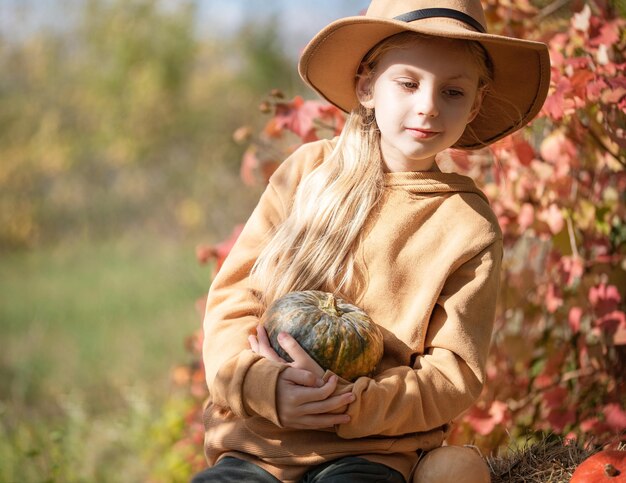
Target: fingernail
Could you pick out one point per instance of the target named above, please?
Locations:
(281, 336)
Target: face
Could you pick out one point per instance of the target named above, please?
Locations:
(423, 95)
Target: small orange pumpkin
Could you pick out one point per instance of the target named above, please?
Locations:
(606, 466)
(452, 464)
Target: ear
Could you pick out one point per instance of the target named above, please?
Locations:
(364, 90)
(478, 102)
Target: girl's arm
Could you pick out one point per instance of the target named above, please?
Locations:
(238, 378)
(448, 377)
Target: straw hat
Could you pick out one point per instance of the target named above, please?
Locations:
(521, 68)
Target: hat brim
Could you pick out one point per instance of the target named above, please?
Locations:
(521, 70)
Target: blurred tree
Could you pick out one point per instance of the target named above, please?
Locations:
(262, 51)
(124, 120)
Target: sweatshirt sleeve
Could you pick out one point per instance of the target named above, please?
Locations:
(448, 377)
(237, 378)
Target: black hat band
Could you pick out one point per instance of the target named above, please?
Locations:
(440, 12)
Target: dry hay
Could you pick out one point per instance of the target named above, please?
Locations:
(547, 461)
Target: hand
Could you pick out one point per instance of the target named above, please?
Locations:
(303, 399)
(301, 360)
(302, 405)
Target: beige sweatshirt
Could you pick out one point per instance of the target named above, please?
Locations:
(431, 256)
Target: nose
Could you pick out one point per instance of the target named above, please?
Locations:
(426, 102)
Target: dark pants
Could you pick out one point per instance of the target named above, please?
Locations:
(348, 469)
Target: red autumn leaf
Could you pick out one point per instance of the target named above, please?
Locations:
(299, 117)
(557, 43)
(574, 318)
(580, 66)
(249, 166)
(603, 32)
(560, 152)
(593, 425)
(554, 104)
(615, 416)
(204, 253)
(615, 93)
(553, 299)
(559, 415)
(595, 89)
(560, 418)
(333, 116)
(524, 151)
(553, 217)
(254, 169)
(268, 168)
(579, 82)
(272, 129)
(588, 424)
(483, 421)
(553, 398)
(223, 248)
(611, 322)
(543, 381)
(219, 251)
(604, 298)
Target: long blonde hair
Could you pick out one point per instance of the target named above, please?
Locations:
(313, 249)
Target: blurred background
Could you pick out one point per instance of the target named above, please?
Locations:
(116, 160)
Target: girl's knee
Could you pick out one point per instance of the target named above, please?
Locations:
(452, 464)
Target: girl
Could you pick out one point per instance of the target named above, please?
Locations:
(371, 218)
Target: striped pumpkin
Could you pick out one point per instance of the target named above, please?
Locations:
(339, 336)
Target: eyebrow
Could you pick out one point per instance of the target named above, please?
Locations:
(411, 70)
(460, 76)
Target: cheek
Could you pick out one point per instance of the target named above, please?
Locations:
(390, 108)
(389, 121)
(460, 112)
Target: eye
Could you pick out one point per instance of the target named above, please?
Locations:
(408, 85)
(453, 93)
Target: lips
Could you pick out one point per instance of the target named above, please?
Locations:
(421, 133)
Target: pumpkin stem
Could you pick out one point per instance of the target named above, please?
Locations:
(330, 305)
(611, 470)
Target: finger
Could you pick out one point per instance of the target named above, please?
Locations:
(302, 377)
(261, 333)
(254, 343)
(303, 388)
(332, 404)
(300, 357)
(265, 348)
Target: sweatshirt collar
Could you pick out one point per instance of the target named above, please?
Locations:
(432, 182)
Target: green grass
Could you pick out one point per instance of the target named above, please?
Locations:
(89, 333)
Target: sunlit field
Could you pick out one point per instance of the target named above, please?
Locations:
(90, 333)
